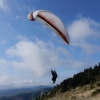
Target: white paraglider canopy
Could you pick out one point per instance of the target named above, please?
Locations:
(51, 21)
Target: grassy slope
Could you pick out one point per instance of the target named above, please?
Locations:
(80, 93)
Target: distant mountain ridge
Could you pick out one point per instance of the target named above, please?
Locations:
(27, 95)
(10, 92)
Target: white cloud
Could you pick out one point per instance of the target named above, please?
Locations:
(84, 30)
(36, 60)
(35, 57)
(8, 82)
(3, 62)
(4, 5)
(76, 64)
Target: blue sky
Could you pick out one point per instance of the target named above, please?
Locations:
(29, 49)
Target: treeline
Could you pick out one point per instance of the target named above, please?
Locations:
(88, 76)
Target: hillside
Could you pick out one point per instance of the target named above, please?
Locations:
(82, 86)
(79, 93)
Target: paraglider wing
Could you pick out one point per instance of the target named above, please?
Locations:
(51, 21)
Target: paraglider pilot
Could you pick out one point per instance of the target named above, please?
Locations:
(54, 75)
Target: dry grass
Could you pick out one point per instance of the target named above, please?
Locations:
(80, 93)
